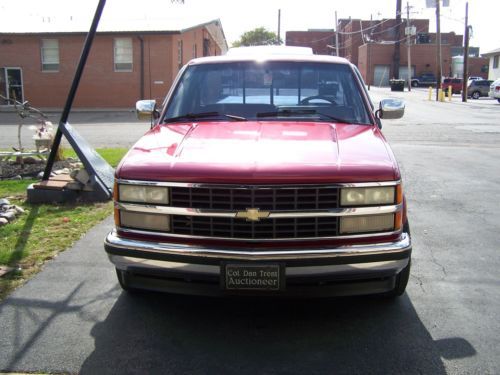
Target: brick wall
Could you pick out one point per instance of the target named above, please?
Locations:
(423, 58)
(101, 86)
(478, 67)
(317, 40)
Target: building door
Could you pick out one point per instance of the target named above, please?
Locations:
(3, 88)
(403, 72)
(11, 83)
(381, 75)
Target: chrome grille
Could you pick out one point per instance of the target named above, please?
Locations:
(264, 198)
(264, 229)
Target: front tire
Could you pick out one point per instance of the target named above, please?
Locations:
(122, 277)
(403, 276)
(401, 282)
(476, 95)
(414, 84)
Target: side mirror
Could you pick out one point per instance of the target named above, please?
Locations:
(391, 109)
(146, 109)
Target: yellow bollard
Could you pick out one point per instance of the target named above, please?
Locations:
(430, 93)
(441, 95)
(450, 93)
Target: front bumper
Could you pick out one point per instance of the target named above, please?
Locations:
(192, 269)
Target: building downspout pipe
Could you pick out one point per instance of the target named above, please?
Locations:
(141, 80)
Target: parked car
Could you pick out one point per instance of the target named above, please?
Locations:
(495, 90)
(478, 88)
(425, 79)
(455, 83)
(473, 78)
(263, 174)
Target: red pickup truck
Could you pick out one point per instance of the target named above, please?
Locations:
(263, 174)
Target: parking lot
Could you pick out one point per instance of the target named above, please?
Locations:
(73, 317)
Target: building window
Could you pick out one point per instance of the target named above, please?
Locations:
(179, 53)
(195, 52)
(495, 61)
(50, 55)
(123, 54)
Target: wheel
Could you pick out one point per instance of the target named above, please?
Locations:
(401, 281)
(319, 97)
(476, 95)
(403, 276)
(414, 84)
(498, 100)
(122, 279)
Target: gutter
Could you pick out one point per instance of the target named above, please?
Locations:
(141, 79)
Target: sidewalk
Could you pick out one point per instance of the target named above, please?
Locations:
(46, 325)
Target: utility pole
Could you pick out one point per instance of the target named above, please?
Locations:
(438, 44)
(466, 54)
(279, 27)
(396, 56)
(369, 68)
(408, 43)
(336, 35)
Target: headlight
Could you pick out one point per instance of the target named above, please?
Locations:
(367, 196)
(143, 194)
(145, 221)
(362, 224)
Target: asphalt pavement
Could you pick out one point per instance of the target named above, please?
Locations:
(73, 317)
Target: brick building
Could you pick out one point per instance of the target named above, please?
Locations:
(369, 44)
(125, 64)
(321, 41)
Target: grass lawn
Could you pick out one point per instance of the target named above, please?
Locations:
(44, 229)
(111, 155)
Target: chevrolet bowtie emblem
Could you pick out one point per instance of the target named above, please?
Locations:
(252, 214)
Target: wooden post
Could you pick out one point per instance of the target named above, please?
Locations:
(396, 56)
(466, 54)
(336, 35)
(438, 45)
(408, 43)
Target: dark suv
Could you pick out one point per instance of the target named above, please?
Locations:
(478, 88)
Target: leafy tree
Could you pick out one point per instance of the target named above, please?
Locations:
(257, 37)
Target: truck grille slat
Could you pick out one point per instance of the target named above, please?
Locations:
(269, 228)
(265, 199)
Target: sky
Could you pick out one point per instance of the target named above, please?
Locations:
(238, 16)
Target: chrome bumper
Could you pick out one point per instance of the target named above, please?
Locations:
(367, 259)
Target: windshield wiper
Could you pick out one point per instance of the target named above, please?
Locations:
(194, 116)
(291, 112)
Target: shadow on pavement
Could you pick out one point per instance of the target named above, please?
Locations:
(156, 333)
(24, 236)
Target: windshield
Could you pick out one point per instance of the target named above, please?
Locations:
(299, 91)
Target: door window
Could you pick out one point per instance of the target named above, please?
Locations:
(12, 84)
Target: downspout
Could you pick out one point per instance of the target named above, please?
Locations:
(141, 93)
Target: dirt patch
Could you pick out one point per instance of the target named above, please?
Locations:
(12, 169)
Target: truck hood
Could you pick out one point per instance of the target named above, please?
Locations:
(260, 152)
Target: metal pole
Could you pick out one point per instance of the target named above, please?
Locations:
(466, 54)
(408, 44)
(438, 44)
(336, 35)
(279, 27)
(72, 92)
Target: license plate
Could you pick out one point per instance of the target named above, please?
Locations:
(253, 277)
